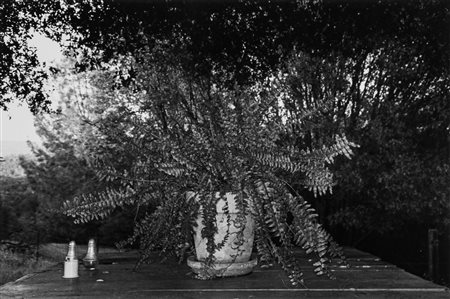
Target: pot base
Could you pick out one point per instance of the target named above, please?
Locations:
(224, 269)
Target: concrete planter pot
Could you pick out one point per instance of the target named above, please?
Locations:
(234, 258)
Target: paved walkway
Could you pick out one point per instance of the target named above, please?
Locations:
(368, 277)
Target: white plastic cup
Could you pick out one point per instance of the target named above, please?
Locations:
(71, 262)
(71, 269)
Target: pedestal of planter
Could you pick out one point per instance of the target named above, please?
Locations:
(224, 269)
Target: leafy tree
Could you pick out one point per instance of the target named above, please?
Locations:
(11, 167)
(17, 203)
(246, 40)
(14, 191)
(59, 170)
(249, 39)
(21, 76)
(395, 105)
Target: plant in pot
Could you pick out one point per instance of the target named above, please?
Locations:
(209, 170)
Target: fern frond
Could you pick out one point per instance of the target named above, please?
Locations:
(172, 169)
(311, 236)
(275, 161)
(272, 204)
(98, 205)
(319, 180)
(341, 147)
(295, 160)
(166, 229)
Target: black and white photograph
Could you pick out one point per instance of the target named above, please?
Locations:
(224, 149)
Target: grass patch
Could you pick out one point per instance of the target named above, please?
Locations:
(15, 265)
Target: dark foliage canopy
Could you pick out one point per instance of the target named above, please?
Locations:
(243, 39)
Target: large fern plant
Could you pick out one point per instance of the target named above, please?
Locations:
(186, 133)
